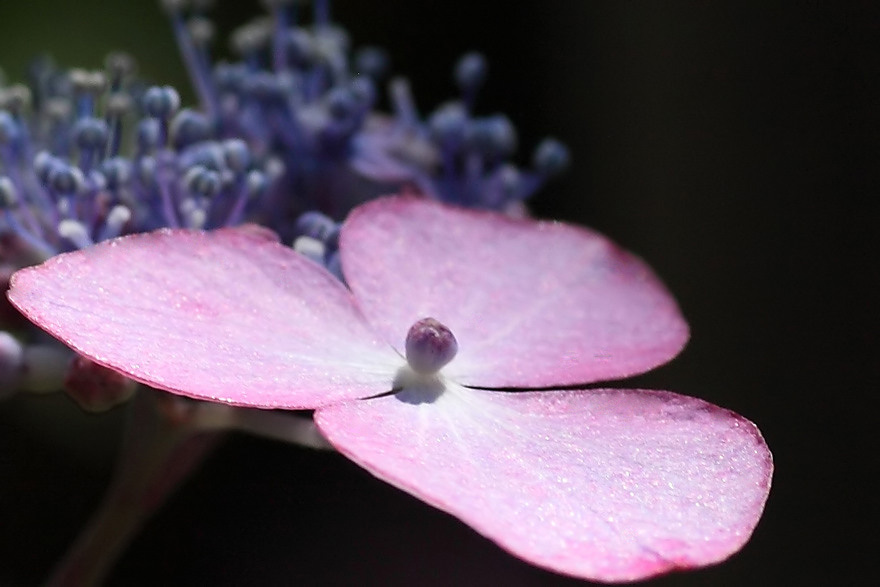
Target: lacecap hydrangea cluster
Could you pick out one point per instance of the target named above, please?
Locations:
(289, 136)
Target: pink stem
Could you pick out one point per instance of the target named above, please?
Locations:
(157, 455)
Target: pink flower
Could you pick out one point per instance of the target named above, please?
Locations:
(600, 483)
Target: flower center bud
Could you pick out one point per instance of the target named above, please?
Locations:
(429, 346)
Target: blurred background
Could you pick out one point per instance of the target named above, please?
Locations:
(733, 146)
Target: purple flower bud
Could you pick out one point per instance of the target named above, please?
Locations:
(429, 346)
(372, 62)
(236, 154)
(90, 133)
(189, 127)
(470, 72)
(551, 157)
(315, 225)
(161, 102)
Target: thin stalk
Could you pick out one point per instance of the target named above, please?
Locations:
(157, 455)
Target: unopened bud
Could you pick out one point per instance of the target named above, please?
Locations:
(429, 346)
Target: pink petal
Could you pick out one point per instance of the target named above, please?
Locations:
(231, 316)
(610, 485)
(532, 304)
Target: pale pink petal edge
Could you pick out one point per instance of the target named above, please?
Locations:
(33, 296)
(578, 357)
(651, 565)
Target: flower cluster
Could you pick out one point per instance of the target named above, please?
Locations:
(70, 180)
(448, 371)
(297, 93)
(87, 156)
(288, 137)
(464, 375)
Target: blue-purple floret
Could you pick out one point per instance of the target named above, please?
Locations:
(317, 237)
(300, 94)
(289, 136)
(291, 127)
(87, 156)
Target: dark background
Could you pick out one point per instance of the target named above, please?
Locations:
(733, 146)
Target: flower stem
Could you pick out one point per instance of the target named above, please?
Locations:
(272, 424)
(157, 455)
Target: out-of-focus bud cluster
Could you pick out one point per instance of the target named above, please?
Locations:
(89, 155)
(298, 92)
(289, 136)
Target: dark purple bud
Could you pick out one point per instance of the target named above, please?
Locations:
(230, 76)
(202, 181)
(161, 102)
(65, 179)
(429, 346)
(448, 123)
(550, 158)
(44, 163)
(493, 136)
(315, 225)
(237, 155)
(470, 71)
(117, 171)
(207, 154)
(90, 133)
(189, 127)
(256, 182)
(372, 62)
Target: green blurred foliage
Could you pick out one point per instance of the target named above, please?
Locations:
(80, 34)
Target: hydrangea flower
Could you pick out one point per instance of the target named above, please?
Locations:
(68, 179)
(289, 136)
(88, 155)
(458, 362)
